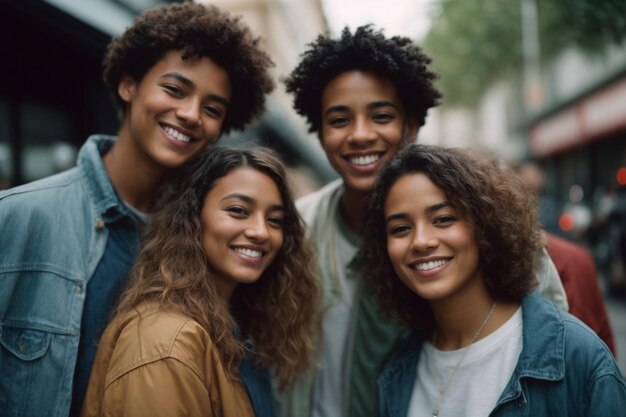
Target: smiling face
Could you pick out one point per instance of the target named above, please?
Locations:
(176, 110)
(430, 245)
(363, 126)
(242, 224)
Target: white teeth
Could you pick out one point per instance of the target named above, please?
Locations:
(251, 253)
(176, 134)
(425, 266)
(364, 160)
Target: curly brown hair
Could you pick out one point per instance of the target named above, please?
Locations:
(396, 58)
(277, 312)
(198, 31)
(486, 193)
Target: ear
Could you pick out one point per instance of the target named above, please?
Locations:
(126, 88)
(412, 128)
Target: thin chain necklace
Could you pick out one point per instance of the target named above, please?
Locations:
(441, 390)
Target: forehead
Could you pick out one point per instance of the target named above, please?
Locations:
(353, 88)
(203, 72)
(248, 182)
(415, 190)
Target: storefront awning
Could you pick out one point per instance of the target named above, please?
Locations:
(593, 117)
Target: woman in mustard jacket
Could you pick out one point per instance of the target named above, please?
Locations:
(222, 290)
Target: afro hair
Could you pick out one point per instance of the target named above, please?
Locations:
(367, 49)
(197, 31)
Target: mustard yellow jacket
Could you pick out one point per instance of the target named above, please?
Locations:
(161, 363)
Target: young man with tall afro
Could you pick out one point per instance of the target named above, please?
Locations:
(182, 75)
(366, 96)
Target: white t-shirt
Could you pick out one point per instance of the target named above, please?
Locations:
(478, 382)
(330, 381)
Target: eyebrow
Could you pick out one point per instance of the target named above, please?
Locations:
(370, 106)
(429, 210)
(190, 84)
(250, 200)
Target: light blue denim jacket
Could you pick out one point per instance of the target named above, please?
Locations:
(52, 236)
(564, 370)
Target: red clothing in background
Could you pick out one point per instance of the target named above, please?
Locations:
(580, 280)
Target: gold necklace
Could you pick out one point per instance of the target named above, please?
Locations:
(442, 390)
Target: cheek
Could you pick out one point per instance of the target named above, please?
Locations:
(330, 140)
(395, 252)
(278, 241)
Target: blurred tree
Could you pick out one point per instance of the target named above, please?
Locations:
(474, 42)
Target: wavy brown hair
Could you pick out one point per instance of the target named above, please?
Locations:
(277, 312)
(198, 31)
(486, 193)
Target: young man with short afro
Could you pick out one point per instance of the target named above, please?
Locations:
(366, 96)
(182, 75)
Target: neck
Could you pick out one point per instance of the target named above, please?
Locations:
(135, 177)
(457, 325)
(353, 210)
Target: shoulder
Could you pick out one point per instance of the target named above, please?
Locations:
(565, 253)
(148, 334)
(582, 347)
(40, 190)
(310, 204)
(46, 207)
(583, 344)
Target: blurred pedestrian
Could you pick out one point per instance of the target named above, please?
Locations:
(573, 262)
(182, 75)
(451, 249)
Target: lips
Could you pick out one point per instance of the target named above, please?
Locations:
(429, 265)
(364, 160)
(177, 135)
(250, 253)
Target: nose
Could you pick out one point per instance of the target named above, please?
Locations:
(424, 240)
(257, 230)
(189, 111)
(361, 132)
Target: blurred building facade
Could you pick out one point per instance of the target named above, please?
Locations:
(286, 26)
(576, 127)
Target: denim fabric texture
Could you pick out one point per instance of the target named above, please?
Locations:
(53, 236)
(103, 290)
(564, 370)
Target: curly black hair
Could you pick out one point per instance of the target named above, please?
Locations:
(396, 58)
(487, 194)
(197, 31)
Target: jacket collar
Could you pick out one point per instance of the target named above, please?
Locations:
(542, 356)
(543, 352)
(109, 207)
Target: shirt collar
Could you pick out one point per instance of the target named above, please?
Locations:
(108, 205)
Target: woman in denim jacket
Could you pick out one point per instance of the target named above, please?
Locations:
(222, 289)
(451, 254)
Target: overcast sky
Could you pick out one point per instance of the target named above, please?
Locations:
(397, 17)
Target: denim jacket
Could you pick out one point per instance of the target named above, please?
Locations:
(52, 237)
(564, 369)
